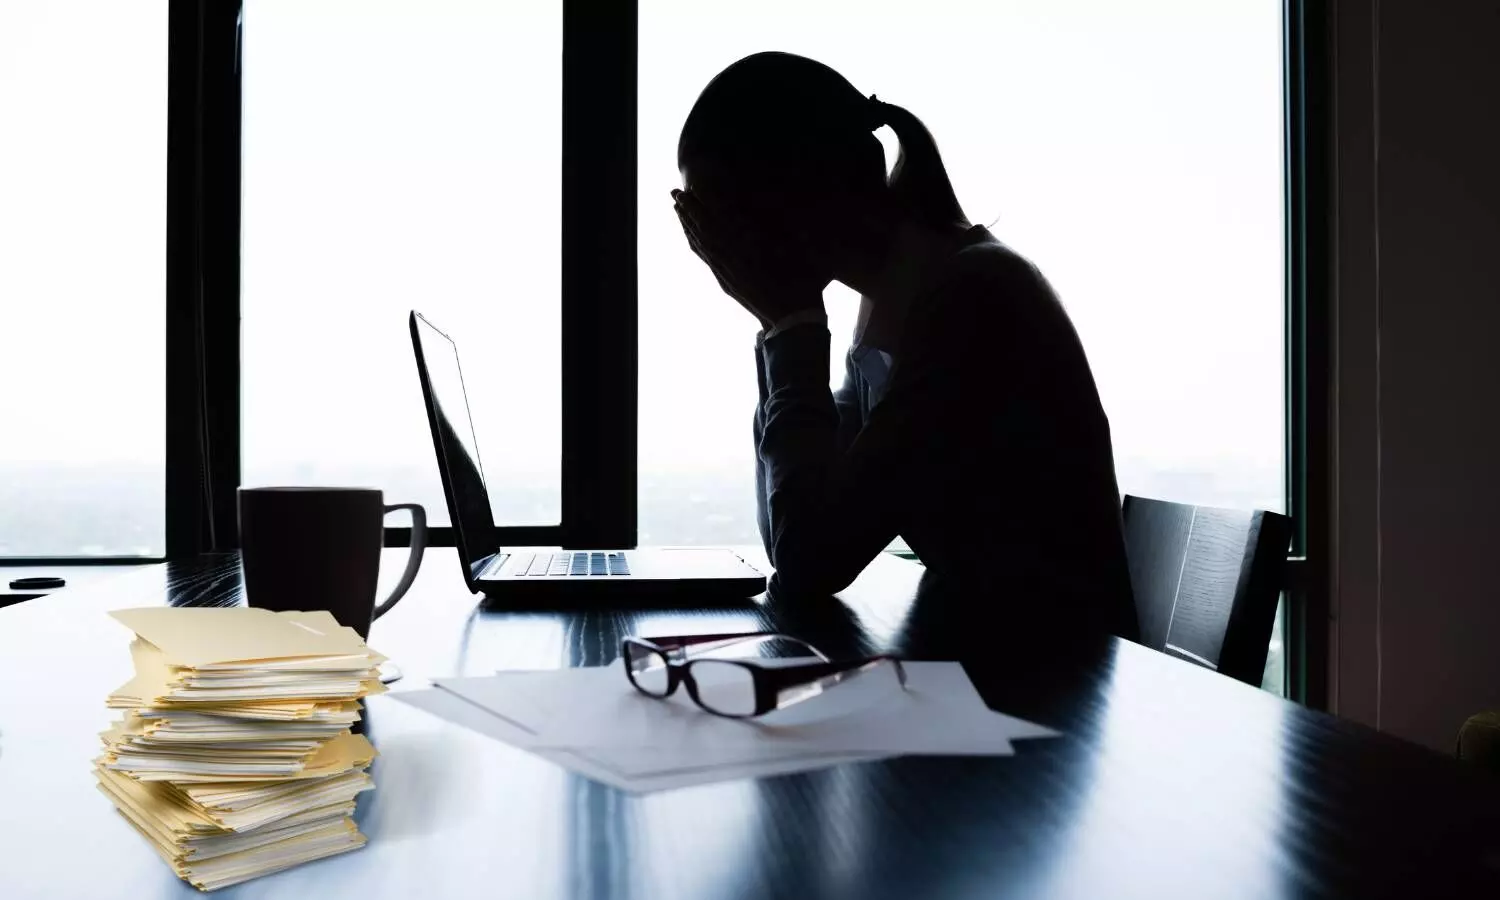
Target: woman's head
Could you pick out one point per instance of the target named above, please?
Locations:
(788, 144)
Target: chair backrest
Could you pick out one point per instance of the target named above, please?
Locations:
(1206, 581)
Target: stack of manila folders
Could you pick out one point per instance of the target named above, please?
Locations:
(234, 757)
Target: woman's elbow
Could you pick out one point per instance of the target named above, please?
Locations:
(810, 573)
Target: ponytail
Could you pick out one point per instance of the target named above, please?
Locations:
(918, 181)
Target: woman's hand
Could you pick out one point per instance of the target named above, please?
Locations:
(769, 276)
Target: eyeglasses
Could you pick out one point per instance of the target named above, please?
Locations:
(736, 688)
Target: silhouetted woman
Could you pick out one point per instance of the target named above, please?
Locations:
(968, 422)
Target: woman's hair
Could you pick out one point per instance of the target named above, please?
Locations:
(796, 121)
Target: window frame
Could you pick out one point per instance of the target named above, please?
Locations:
(599, 300)
(598, 297)
(203, 276)
(1307, 131)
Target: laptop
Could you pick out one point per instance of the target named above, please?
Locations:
(545, 575)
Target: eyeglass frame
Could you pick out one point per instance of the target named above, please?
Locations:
(770, 682)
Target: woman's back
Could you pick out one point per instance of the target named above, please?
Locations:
(1015, 493)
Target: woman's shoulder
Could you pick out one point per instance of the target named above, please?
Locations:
(987, 279)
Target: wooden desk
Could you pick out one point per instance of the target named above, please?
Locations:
(1170, 781)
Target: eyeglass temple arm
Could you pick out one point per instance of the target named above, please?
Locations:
(687, 640)
(708, 641)
(783, 678)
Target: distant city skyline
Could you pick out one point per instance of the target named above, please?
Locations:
(119, 510)
(59, 510)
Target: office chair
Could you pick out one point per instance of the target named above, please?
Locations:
(1206, 581)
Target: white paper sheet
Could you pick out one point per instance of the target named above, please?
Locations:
(592, 721)
(455, 709)
(938, 713)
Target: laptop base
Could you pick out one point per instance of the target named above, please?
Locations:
(639, 593)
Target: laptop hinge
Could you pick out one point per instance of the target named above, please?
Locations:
(490, 565)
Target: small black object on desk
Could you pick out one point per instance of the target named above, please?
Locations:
(37, 583)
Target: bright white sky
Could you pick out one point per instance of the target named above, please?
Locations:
(83, 188)
(1132, 150)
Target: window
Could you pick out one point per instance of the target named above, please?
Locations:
(83, 99)
(1132, 151)
(401, 156)
(504, 168)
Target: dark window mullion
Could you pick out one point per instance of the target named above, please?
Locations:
(203, 275)
(1307, 356)
(599, 328)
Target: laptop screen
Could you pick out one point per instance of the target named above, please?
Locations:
(453, 435)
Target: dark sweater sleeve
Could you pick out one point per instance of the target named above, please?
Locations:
(850, 420)
(830, 509)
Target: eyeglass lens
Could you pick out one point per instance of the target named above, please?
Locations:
(647, 668)
(724, 687)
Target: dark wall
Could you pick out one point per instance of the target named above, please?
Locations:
(1421, 640)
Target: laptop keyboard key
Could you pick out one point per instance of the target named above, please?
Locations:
(568, 563)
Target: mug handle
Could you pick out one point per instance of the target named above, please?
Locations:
(414, 562)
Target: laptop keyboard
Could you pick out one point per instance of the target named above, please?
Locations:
(570, 562)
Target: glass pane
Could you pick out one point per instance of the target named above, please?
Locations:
(83, 166)
(1274, 679)
(648, 669)
(399, 156)
(724, 687)
(1132, 151)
